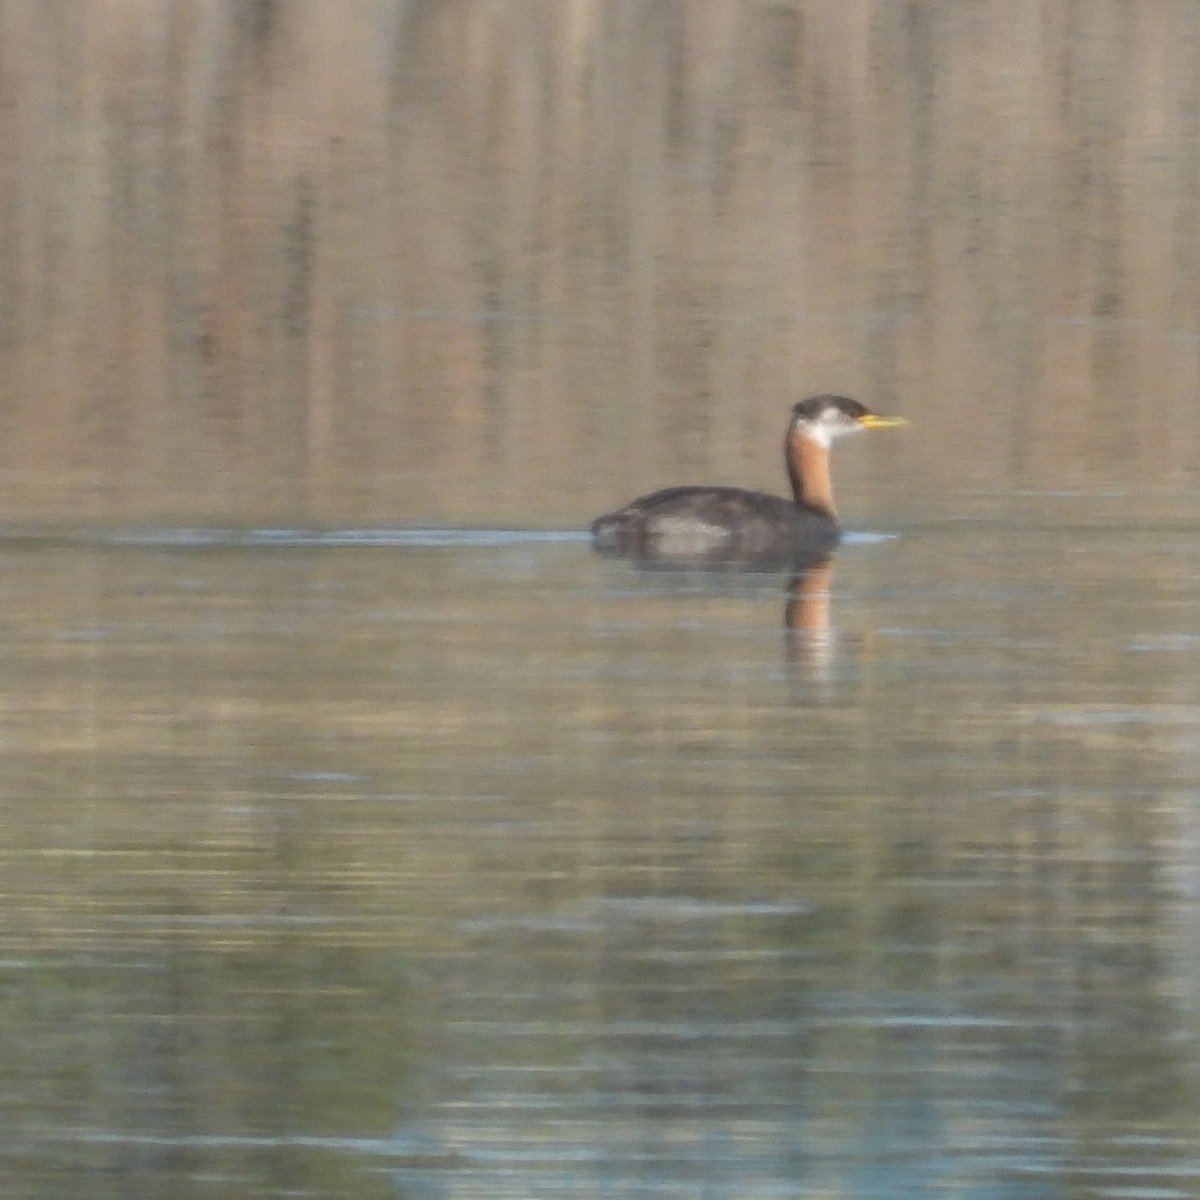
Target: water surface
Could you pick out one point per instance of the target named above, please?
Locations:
(470, 864)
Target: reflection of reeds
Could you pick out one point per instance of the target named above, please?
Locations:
(473, 261)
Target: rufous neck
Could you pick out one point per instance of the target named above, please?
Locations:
(808, 468)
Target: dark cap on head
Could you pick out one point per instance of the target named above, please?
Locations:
(812, 407)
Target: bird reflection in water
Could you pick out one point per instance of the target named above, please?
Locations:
(722, 529)
(807, 618)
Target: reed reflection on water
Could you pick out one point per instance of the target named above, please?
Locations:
(503, 262)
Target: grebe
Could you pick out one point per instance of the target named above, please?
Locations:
(715, 524)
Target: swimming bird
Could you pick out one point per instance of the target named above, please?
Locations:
(730, 524)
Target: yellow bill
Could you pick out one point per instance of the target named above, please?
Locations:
(871, 421)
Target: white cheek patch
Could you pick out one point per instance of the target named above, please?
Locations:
(830, 425)
(835, 425)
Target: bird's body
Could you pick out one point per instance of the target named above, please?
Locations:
(729, 524)
(714, 523)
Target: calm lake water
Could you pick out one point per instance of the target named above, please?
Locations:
(470, 864)
(425, 859)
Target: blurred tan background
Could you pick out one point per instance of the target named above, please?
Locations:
(506, 261)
